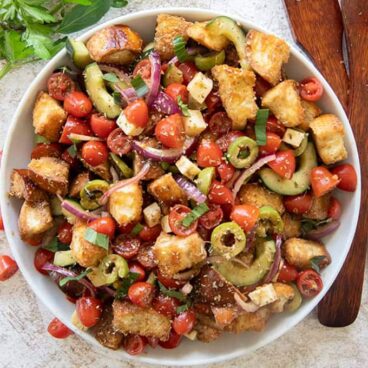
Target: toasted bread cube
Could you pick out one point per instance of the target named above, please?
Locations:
(299, 252)
(284, 293)
(255, 321)
(48, 117)
(174, 254)
(78, 184)
(34, 219)
(102, 170)
(200, 87)
(319, 208)
(168, 27)
(328, 133)
(292, 226)
(187, 167)
(237, 93)
(194, 124)
(125, 205)
(263, 295)
(50, 174)
(285, 103)
(132, 319)
(152, 214)
(293, 137)
(84, 252)
(116, 44)
(206, 333)
(266, 54)
(311, 111)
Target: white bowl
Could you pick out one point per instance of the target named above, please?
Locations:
(16, 154)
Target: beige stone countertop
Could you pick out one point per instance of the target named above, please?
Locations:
(24, 341)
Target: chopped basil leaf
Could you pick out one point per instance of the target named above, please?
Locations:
(65, 280)
(72, 150)
(40, 139)
(146, 53)
(139, 85)
(183, 308)
(195, 214)
(316, 261)
(179, 47)
(117, 97)
(165, 165)
(111, 77)
(125, 284)
(309, 225)
(172, 293)
(92, 236)
(183, 107)
(56, 246)
(137, 229)
(74, 140)
(260, 127)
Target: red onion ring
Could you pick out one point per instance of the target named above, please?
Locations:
(276, 262)
(322, 231)
(249, 307)
(77, 212)
(156, 154)
(81, 137)
(165, 104)
(154, 58)
(190, 189)
(119, 73)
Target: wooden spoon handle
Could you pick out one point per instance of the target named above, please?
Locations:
(317, 27)
(341, 304)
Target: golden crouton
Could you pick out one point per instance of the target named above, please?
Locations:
(167, 191)
(84, 252)
(22, 187)
(168, 27)
(102, 170)
(236, 93)
(198, 33)
(266, 54)
(311, 111)
(125, 205)
(174, 254)
(328, 133)
(48, 117)
(116, 44)
(206, 333)
(78, 184)
(284, 293)
(319, 209)
(285, 103)
(292, 226)
(50, 174)
(34, 219)
(255, 321)
(257, 195)
(132, 319)
(299, 252)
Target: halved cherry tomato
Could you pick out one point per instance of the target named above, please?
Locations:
(170, 131)
(226, 171)
(220, 194)
(213, 101)
(95, 153)
(219, 124)
(165, 305)
(137, 113)
(150, 234)
(78, 104)
(72, 161)
(273, 142)
(8, 267)
(309, 283)
(334, 210)
(76, 126)
(127, 246)
(323, 181)
(175, 90)
(275, 126)
(146, 258)
(34, 242)
(189, 70)
(58, 330)
(65, 232)
(310, 89)
(101, 125)
(284, 164)
(119, 143)
(212, 218)
(176, 216)
(141, 293)
(47, 150)
(135, 267)
(134, 344)
(104, 225)
(208, 154)
(169, 282)
(245, 215)
(59, 85)
(288, 273)
(261, 87)
(1, 223)
(172, 342)
(298, 204)
(41, 257)
(184, 322)
(143, 68)
(225, 141)
(126, 229)
(347, 175)
(89, 310)
(152, 341)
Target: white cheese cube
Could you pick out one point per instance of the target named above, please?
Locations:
(293, 137)
(263, 295)
(187, 167)
(194, 124)
(200, 87)
(152, 214)
(165, 224)
(127, 127)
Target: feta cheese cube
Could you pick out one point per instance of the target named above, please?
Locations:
(263, 295)
(187, 167)
(152, 214)
(200, 87)
(194, 124)
(127, 127)
(293, 137)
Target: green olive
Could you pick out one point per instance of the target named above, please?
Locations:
(92, 192)
(124, 171)
(205, 178)
(207, 62)
(242, 152)
(269, 222)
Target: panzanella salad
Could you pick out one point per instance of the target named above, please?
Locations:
(181, 187)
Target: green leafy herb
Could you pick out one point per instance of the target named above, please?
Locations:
(309, 225)
(72, 150)
(65, 280)
(101, 240)
(137, 229)
(40, 139)
(183, 308)
(183, 107)
(172, 293)
(126, 283)
(315, 262)
(117, 97)
(195, 214)
(56, 246)
(260, 127)
(179, 48)
(139, 85)
(111, 77)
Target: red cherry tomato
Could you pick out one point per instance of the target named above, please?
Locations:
(34, 242)
(288, 273)
(274, 126)
(310, 89)
(47, 150)
(220, 124)
(137, 113)
(1, 224)
(65, 232)
(261, 87)
(175, 90)
(145, 257)
(58, 330)
(72, 161)
(95, 153)
(8, 268)
(220, 194)
(135, 267)
(89, 310)
(127, 246)
(213, 101)
(141, 293)
(334, 211)
(150, 234)
(170, 131)
(347, 175)
(309, 283)
(126, 229)
(119, 143)
(101, 125)
(41, 257)
(165, 305)
(208, 154)
(212, 218)
(273, 142)
(323, 181)
(59, 85)
(172, 342)
(76, 126)
(298, 204)
(78, 104)
(189, 70)
(169, 282)
(176, 216)
(134, 344)
(284, 164)
(143, 68)
(184, 322)
(104, 225)
(245, 215)
(226, 171)
(225, 141)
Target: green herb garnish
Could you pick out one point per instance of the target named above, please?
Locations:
(183, 107)
(39, 139)
(179, 48)
(92, 236)
(309, 225)
(137, 229)
(195, 214)
(65, 280)
(117, 97)
(111, 77)
(315, 262)
(172, 293)
(139, 85)
(260, 127)
(183, 308)
(56, 246)
(125, 284)
(72, 150)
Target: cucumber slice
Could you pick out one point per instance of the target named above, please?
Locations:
(79, 53)
(172, 75)
(64, 258)
(55, 204)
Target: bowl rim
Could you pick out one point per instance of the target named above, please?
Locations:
(185, 12)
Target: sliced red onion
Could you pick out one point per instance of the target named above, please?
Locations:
(123, 183)
(249, 306)
(233, 179)
(187, 288)
(165, 104)
(190, 189)
(81, 137)
(247, 173)
(156, 154)
(154, 58)
(189, 146)
(114, 174)
(128, 94)
(174, 60)
(77, 212)
(108, 290)
(276, 262)
(251, 239)
(194, 50)
(119, 73)
(324, 230)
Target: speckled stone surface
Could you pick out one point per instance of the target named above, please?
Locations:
(24, 341)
